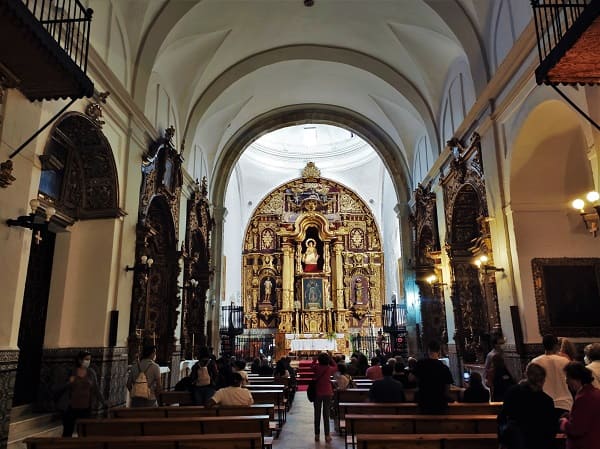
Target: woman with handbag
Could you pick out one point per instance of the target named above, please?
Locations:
(324, 369)
(78, 394)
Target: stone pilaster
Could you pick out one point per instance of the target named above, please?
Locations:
(110, 365)
(8, 373)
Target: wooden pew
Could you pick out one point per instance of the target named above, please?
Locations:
(409, 408)
(175, 397)
(222, 441)
(438, 441)
(274, 396)
(176, 426)
(191, 411)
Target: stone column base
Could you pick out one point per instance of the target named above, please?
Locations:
(8, 373)
(109, 363)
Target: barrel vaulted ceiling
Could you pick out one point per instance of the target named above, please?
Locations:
(225, 62)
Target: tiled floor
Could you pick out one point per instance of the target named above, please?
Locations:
(298, 431)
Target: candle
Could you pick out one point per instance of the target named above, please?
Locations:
(193, 341)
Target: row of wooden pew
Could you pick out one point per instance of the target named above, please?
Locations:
(181, 426)
(400, 426)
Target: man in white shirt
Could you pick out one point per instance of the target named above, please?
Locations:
(234, 395)
(556, 382)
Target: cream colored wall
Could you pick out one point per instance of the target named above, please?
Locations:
(22, 118)
(82, 289)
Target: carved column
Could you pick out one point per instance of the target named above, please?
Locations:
(338, 247)
(288, 276)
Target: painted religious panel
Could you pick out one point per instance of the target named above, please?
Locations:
(567, 294)
(312, 293)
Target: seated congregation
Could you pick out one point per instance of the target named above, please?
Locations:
(384, 405)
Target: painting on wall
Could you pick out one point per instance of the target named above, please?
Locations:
(567, 295)
(312, 293)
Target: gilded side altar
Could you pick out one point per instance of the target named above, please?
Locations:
(312, 262)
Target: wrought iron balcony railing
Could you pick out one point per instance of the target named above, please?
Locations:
(559, 24)
(68, 22)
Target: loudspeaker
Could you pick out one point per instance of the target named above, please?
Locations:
(112, 328)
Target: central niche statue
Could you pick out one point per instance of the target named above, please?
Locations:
(311, 257)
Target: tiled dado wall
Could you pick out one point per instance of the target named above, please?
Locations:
(8, 372)
(110, 365)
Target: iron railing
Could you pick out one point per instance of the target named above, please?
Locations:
(553, 19)
(247, 347)
(393, 316)
(69, 23)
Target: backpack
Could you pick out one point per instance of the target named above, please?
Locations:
(140, 388)
(203, 374)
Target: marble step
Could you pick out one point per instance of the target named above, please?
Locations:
(24, 424)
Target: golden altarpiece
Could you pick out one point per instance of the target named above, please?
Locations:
(312, 264)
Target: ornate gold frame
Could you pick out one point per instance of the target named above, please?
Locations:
(542, 294)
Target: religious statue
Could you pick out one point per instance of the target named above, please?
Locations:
(358, 291)
(268, 286)
(310, 256)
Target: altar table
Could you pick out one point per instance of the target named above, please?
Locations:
(313, 344)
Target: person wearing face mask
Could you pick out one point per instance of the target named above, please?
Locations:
(150, 368)
(77, 396)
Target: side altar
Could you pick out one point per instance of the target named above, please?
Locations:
(312, 264)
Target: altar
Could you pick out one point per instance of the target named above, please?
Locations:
(312, 344)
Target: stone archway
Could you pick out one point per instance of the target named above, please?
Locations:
(79, 179)
(550, 165)
(293, 115)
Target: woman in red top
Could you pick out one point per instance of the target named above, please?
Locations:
(323, 372)
(582, 425)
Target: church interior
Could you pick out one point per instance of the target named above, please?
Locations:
(281, 177)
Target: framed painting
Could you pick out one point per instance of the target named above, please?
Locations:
(567, 296)
(312, 293)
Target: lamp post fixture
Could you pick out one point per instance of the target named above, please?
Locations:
(590, 219)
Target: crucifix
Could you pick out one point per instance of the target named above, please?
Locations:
(38, 237)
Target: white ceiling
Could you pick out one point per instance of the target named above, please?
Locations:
(226, 62)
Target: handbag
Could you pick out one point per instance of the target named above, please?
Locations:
(311, 391)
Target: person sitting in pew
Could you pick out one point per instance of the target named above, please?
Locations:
(239, 366)
(434, 379)
(234, 395)
(387, 389)
(476, 392)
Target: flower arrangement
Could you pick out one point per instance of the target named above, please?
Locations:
(331, 335)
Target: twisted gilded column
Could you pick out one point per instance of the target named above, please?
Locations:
(338, 247)
(287, 280)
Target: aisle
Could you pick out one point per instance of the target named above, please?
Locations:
(298, 431)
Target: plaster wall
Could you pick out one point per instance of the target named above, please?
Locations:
(81, 289)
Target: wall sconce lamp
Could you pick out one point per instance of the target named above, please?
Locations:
(590, 219)
(432, 280)
(145, 264)
(193, 283)
(28, 221)
(482, 264)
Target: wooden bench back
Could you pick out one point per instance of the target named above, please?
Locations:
(224, 441)
(439, 441)
(421, 424)
(175, 397)
(173, 426)
(191, 411)
(352, 395)
(409, 408)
